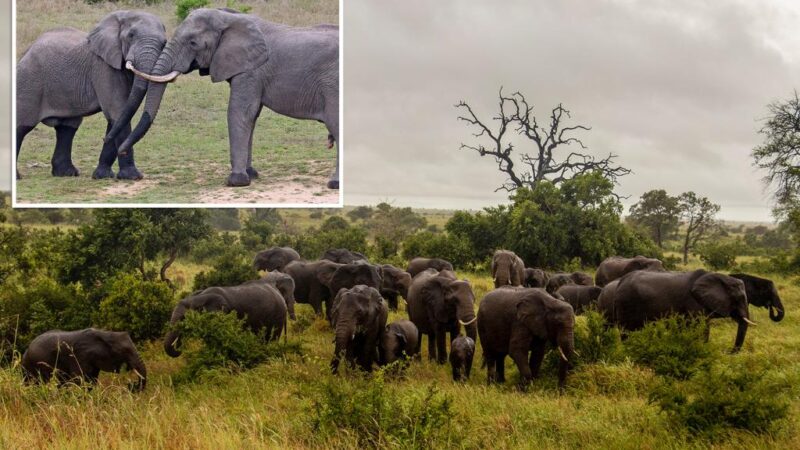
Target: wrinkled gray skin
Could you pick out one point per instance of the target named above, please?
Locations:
(284, 284)
(507, 269)
(399, 341)
(343, 256)
(395, 282)
(462, 350)
(291, 70)
(556, 280)
(519, 321)
(79, 356)
(418, 265)
(359, 319)
(67, 75)
(643, 296)
(275, 258)
(762, 292)
(580, 297)
(535, 278)
(438, 304)
(616, 266)
(311, 280)
(258, 302)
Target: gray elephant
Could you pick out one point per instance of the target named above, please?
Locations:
(67, 75)
(535, 278)
(462, 350)
(258, 302)
(520, 321)
(556, 280)
(762, 292)
(616, 266)
(399, 341)
(80, 356)
(275, 258)
(507, 269)
(284, 284)
(343, 256)
(395, 282)
(311, 280)
(359, 320)
(418, 265)
(438, 303)
(580, 297)
(293, 71)
(643, 296)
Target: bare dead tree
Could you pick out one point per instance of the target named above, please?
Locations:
(515, 117)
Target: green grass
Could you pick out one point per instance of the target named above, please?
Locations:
(185, 157)
(605, 405)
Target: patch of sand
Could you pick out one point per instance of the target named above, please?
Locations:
(311, 191)
(127, 188)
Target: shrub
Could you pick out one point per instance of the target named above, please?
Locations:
(184, 7)
(232, 267)
(140, 307)
(381, 417)
(255, 234)
(673, 347)
(723, 397)
(456, 249)
(719, 255)
(595, 341)
(207, 249)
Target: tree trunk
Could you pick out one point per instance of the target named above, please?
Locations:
(163, 273)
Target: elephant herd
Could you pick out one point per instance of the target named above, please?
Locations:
(67, 75)
(528, 309)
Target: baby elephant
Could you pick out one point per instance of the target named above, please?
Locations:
(76, 356)
(462, 349)
(399, 341)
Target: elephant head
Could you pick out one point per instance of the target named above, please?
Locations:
(392, 345)
(285, 285)
(356, 311)
(553, 320)
(129, 38)
(535, 278)
(349, 275)
(122, 351)
(450, 298)
(199, 302)
(220, 43)
(723, 296)
(762, 292)
(395, 279)
(506, 267)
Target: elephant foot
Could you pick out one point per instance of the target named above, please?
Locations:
(102, 172)
(129, 173)
(333, 184)
(65, 170)
(252, 173)
(238, 179)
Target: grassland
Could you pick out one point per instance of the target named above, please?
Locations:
(185, 157)
(605, 405)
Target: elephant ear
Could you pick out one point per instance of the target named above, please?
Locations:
(531, 314)
(433, 293)
(711, 291)
(241, 48)
(118, 341)
(105, 41)
(325, 273)
(209, 302)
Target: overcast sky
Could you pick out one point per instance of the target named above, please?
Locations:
(675, 88)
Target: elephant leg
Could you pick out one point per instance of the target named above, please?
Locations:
(500, 363)
(520, 357)
(61, 163)
(441, 345)
(22, 131)
(491, 369)
(332, 123)
(456, 372)
(251, 172)
(391, 300)
(107, 157)
(432, 346)
(537, 355)
(243, 108)
(127, 166)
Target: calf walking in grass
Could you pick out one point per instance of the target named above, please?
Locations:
(462, 349)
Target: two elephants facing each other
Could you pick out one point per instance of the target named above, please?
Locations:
(260, 61)
(79, 356)
(358, 318)
(615, 267)
(507, 269)
(67, 75)
(642, 296)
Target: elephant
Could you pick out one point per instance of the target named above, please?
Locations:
(507, 269)
(79, 356)
(294, 71)
(275, 258)
(535, 278)
(580, 297)
(556, 280)
(399, 341)
(395, 282)
(517, 321)
(258, 302)
(359, 320)
(761, 292)
(343, 256)
(437, 304)
(418, 265)
(67, 75)
(347, 276)
(616, 266)
(462, 350)
(311, 281)
(284, 284)
(642, 296)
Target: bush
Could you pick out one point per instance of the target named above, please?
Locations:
(723, 397)
(184, 7)
(140, 307)
(595, 341)
(719, 255)
(456, 249)
(208, 249)
(231, 268)
(672, 347)
(381, 417)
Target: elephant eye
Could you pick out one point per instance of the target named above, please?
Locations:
(193, 43)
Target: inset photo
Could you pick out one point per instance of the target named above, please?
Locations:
(177, 102)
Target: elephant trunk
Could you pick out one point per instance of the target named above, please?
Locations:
(740, 334)
(155, 93)
(145, 60)
(566, 348)
(467, 318)
(345, 333)
(136, 364)
(776, 305)
(171, 343)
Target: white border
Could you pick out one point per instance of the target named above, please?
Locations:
(13, 147)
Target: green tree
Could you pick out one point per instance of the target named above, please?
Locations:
(657, 212)
(779, 153)
(699, 219)
(360, 213)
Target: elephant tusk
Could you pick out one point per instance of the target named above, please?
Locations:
(168, 78)
(175, 341)
(749, 321)
(468, 323)
(563, 356)
(576, 353)
(138, 374)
